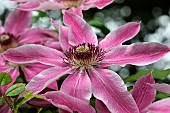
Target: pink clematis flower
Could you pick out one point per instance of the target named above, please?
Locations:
(17, 31)
(74, 5)
(144, 93)
(86, 60)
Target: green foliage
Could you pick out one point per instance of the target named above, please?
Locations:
(157, 74)
(15, 89)
(161, 95)
(5, 78)
(41, 14)
(1, 100)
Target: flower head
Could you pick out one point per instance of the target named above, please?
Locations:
(17, 31)
(75, 5)
(85, 60)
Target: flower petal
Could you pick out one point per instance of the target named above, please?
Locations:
(17, 21)
(100, 4)
(120, 35)
(165, 88)
(68, 103)
(144, 92)
(37, 35)
(78, 85)
(161, 106)
(32, 53)
(45, 78)
(4, 108)
(100, 107)
(108, 87)
(36, 5)
(80, 31)
(136, 54)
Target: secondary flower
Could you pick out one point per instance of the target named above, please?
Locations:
(75, 5)
(85, 60)
(144, 93)
(17, 31)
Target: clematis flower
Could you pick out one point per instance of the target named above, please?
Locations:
(74, 5)
(144, 93)
(85, 60)
(17, 31)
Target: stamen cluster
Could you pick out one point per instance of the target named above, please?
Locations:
(84, 55)
(72, 3)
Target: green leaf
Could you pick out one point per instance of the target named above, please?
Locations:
(157, 74)
(1, 100)
(5, 78)
(15, 89)
(97, 22)
(29, 95)
(161, 95)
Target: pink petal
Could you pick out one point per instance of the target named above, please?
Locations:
(32, 69)
(35, 5)
(108, 87)
(32, 53)
(4, 108)
(77, 11)
(17, 21)
(143, 92)
(80, 31)
(136, 54)
(78, 85)
(120, 35)
(102, 3)
(165, 88)
(161, 106)
(46, 77)
(37, 35)
(68, 102)
(100, 107)
(63, 38)
(20, 0)
(53, 44)
(1, 28)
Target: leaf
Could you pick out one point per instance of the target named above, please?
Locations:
(5, 78)
(29, 95)
(161, 95)
(1, 100)
(15, 89)
(157, 74)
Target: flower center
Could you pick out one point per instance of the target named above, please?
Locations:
(7, 41)
(84, 55)
(72, 3)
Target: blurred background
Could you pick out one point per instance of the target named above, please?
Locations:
(154, 16)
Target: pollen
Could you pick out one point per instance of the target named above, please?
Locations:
(72, 3)
(7, 41)
(84, 55)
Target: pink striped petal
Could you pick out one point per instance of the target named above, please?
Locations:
(4, 108)
(68, 103)
(78, 85)
(37, 35)
(161, 106)
(136, 54)
(18, 21)
(143, 92)
(32, 53)
(45, 78)
(100, 4)
(108, 87)
(36, 5)
(32, 69)
(63, 38)
(165, 88)
(120, 35)
(80, 31)
(100, 107)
